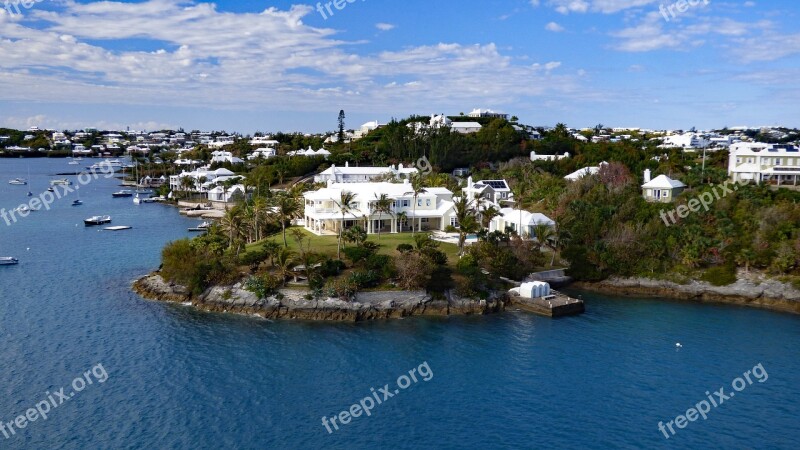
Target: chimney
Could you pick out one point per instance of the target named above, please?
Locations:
(647, 176)
(347, 163)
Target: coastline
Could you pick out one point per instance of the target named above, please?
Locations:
(294, 306)
(764, 294)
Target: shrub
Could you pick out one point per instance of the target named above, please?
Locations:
(358, 254)
(331, 268)
(383, 265)
(405, 248)
(263, 286)
(720, 275)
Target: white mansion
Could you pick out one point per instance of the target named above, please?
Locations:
(432, 210)
(764, 163)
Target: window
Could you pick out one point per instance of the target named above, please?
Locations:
(777, 161)
(406, 203)
(454, 222)
(664, 194)
(425, 220)
(419, 202)
(428, 202)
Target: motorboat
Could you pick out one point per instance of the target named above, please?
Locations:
(203, 227)
(8, 261)
(73, 163)
(97, 220)
(50, 189)
(77, 202)
(18, 182)
(113, 165)
(122, 194)
(61, 182)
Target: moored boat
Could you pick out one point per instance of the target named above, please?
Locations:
(8, 261)
(18, 182)
(97, 220)
(61, 182)
(122, 194)
(203, 227)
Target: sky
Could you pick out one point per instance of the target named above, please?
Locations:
(251, 65)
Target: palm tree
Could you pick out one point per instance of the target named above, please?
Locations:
(488, 214)
(272, 249)
(343, 204)
(232, 224)
(287, 208)
(467, 222)
(544, 235)
(186, 183)
(383, 206)
(401, 218)
(520, 191)
(283, 262)
(417, 188)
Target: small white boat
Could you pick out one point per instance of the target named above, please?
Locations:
(201, 228)
(73, 163)
(18, 182)
(97, 220)
(8, 261)
(77, 203)
(61, 182)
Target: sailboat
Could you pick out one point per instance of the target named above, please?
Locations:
(30, 194)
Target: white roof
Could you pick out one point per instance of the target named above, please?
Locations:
(465, 125)
(528, 218)
(663, 182)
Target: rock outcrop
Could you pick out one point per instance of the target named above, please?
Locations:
(294, 304)
(764, 293)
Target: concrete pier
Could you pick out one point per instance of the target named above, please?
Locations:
(554, 305)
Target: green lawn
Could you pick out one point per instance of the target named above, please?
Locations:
(326, 245)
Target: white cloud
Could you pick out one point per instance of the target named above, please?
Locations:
(554, 27)
(385, 26)
(207, 58)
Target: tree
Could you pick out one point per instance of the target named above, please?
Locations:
(383, 206)
(233, 225)
(340, 132)
(283, 262)
(345, 199)
(417, 188)
(287, 209)
(467, 221)
(488, 214)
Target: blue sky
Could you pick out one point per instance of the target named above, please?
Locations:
(252, 65)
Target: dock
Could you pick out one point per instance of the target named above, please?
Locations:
(554, 305)
(118, 228)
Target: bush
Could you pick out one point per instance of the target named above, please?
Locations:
(720, 275)
(263, 286)
(358, 254)
(383, 265)
(405, 248)
(195, 267)
(450, 229)
(331, 268)
(364, 278)
(253, 258)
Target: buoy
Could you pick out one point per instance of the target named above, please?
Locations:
(678, 345)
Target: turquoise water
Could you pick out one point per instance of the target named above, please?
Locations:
(178, 378)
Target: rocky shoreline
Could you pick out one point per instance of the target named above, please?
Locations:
(294, 305)
(751, 292)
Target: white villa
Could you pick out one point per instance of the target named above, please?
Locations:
(433, 211)
(264, 140)
(225, 157)
(204, 179)
(586, 171)
(495, 191)
(466, 127)
(310, 152)
(535, 157)
(366, 129)
(264, 153)
(661, 189)
(685, 140)
(487, 113)
(764, 163)
(510, 218)
(221, 194)
(349, 174)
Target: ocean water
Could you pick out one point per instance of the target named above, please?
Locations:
(178, 378)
